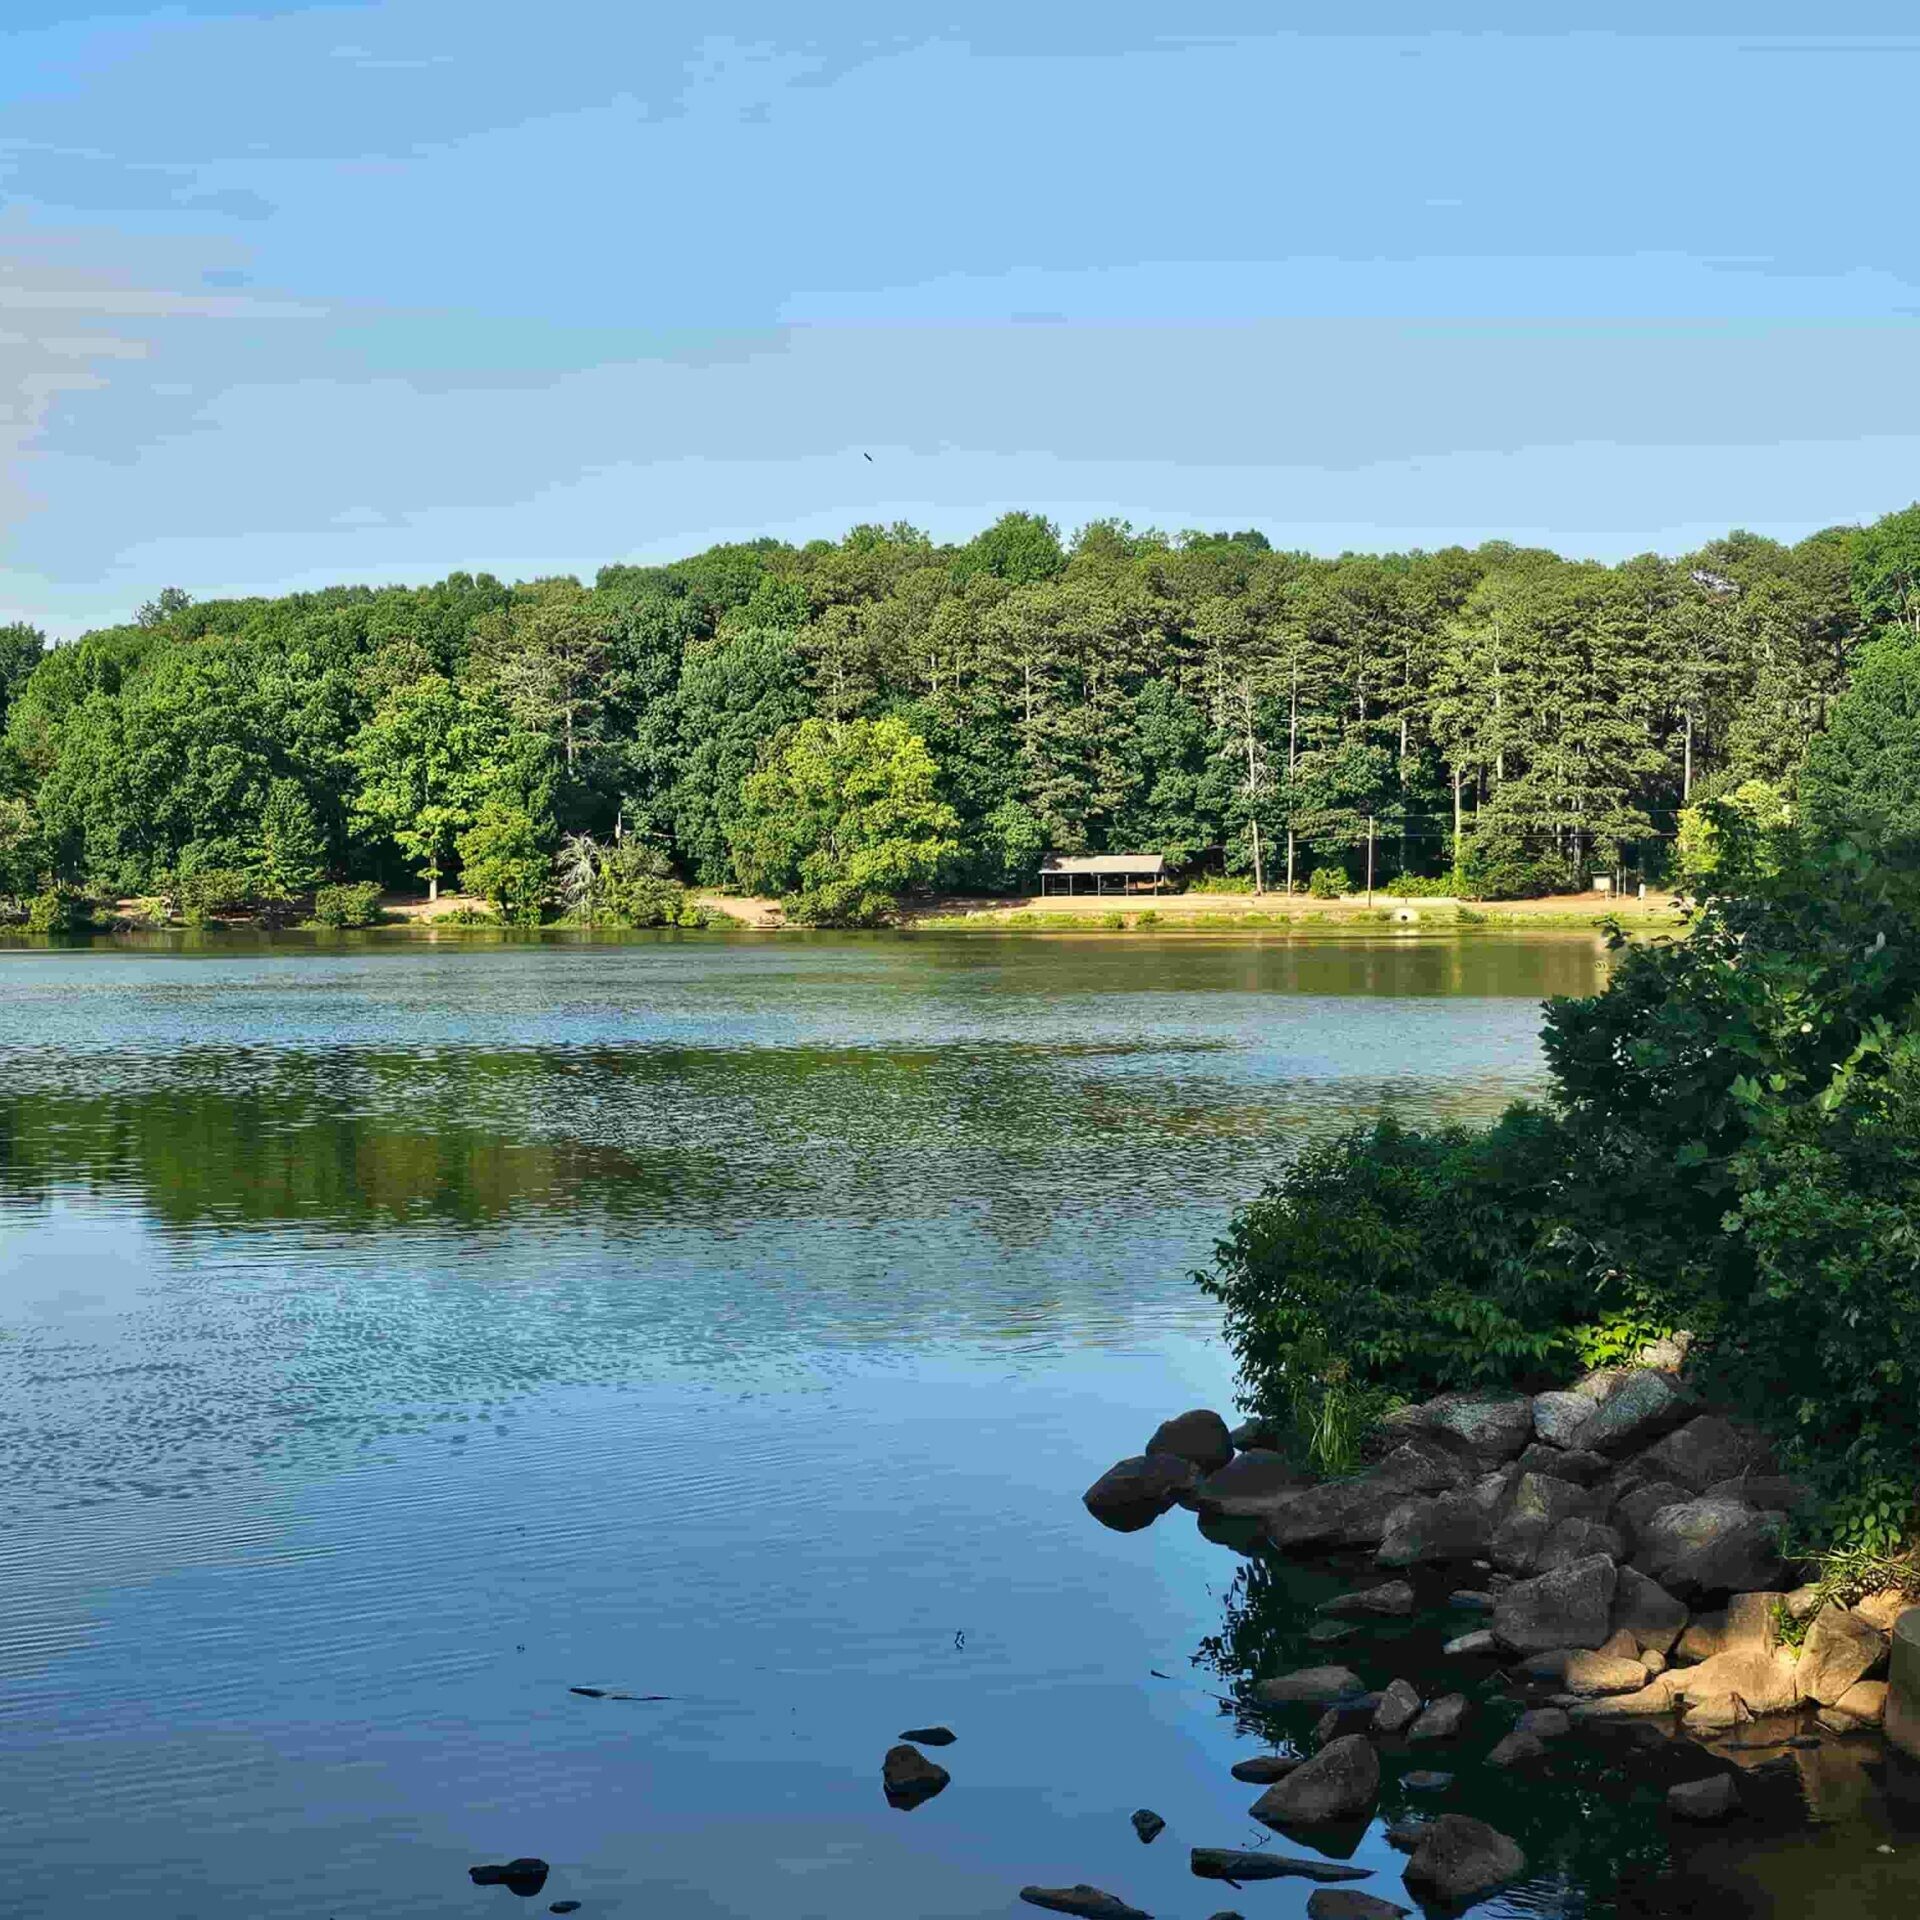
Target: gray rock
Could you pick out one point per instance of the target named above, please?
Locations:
(1135, 1493)
(1200, 1436)
(1310, 1686)
(1340, 1782)
(1711, 1546)
(1236, 1863)
(930, 1736)
(1562, 1463)
(1148, 1825)
(1517, 1749)
(1327, 1633)
(1265, 1768)
(1393, 1597)
(1636, 1503)
(1494, 1425)
(1344, 1717)
(1839, 1649)
(1568, 1607)
(1575, 1540)
(1544, 1723)
(1342, 1903)
(910, 1778)
(1434, 1530)
(1255, 1432)
(1458, 1858)
(1478, 1642)
(1647, 1611)
(1558, 1417)
(1701, 1452)
(1088, 1902)
(1398, 1708)
(1537, 1504)
(1469, 1601)
(1640, 1405)
(524, 1876)
(1426, 1780)
(1768, 1492)
(1716, 1798)
(1442, 1719)
(1246, 1488)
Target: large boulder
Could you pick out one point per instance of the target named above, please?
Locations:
(1577, 1539)
(1248, 1487)
(1839, 1649)
(1136, 1492)
(1701, 1452)
(1748, 1623)
(1457, 1859)
(1647, 1611)
(1636, 1406)
(1710, 1545)
(1559, 1416)
(1235, 1863)
(1561, 1463)
(1770, 1492)
(1637, 1503)
(1534, 1506)
(1733, 1686)
(1354, 1513)
(1309, 1686)
(1882, 1609)
(1200, 1436)
(1585, 1674)
(1569, 1607)
(1495, 1426)
(1343, 1903)
(1433, 1531)
(908, 1777)
(1088, 1902)
(1340, 1782)
(1864, 1702)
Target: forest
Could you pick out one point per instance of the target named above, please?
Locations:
(844, 724)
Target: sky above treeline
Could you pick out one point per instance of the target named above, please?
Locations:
(293, 294)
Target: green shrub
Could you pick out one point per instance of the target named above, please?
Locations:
(1329, 883)
(353, 904)
(464, 916)
(59, 910)
(218, 893)
(1415, 886)
(1148, 919)
(1113, 920)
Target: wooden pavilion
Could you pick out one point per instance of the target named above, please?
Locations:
(1107, 872)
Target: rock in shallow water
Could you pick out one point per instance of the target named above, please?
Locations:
(910, 1779)
(1714, 1799)
(1246, 1488)
(1088, 1902)
(1265, 1768)
(1399, 1706)
(1426, 1780)
(1443, 1719)
(1312, 1686)
(525, 1876)
(1235, 1863)
(1517, 1749)
(930, 1736)
(1457, 1858)
(1148, 1825)
(1342, 1903)
(1200, 1436)
(1340, 1782)
(1391, 1598)
(1569, 1607)
(1134, 1493)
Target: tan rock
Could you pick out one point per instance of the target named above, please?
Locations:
(1650, 1702)
(1880, 1610)
(1732, 1686)
(1839, 1649)
(1654, 1660)
(1749, 1624)
(1620, 1644)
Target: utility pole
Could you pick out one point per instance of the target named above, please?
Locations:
(1253, 818)
(1369, 859)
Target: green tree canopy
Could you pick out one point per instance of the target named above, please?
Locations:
(1862, 777)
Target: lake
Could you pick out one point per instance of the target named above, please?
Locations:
(398, 1333)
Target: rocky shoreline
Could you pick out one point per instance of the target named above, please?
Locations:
(1615, 1555)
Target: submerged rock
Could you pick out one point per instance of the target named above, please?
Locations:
(1458, 1858)
(1200, 1436)
(1088, 1902)
(1516, 1749)
(1340, 1782)
(910, 1779)
(1544, 1723)
(1443, 1719)
(1426, 1780)
(1714, 1799)
(930, 1736)
(1239, 1864)
(1148, 1825)
(1479, 1641)
(1393, 1597)
(1265, 1768)
(1134, 1493)
(1310, 1686)
(1398, 1708)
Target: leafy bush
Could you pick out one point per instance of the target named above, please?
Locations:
(465, 916)
(503, 858)
(356, 904)
(1417, 886)
(1499, 864)
(1734, 1147)
(1113, 920)
(218, 893)
(59, 910)
(1329, 883)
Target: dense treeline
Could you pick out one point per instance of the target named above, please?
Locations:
(1503, 715)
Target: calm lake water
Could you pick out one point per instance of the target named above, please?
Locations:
(396, 1335)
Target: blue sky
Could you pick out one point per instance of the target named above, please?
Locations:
(294, 294)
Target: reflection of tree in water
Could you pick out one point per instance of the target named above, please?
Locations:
(1592, 1823)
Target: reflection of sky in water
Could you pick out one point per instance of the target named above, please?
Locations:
(393, 1340)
